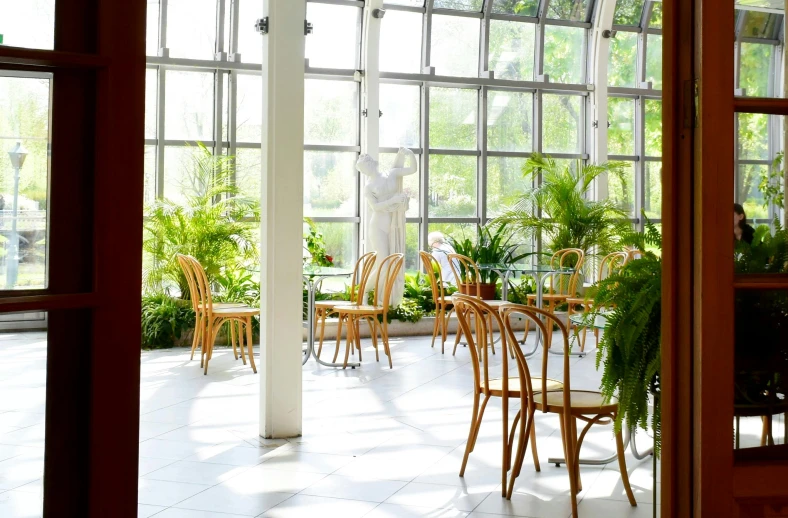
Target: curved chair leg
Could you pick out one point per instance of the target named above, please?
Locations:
(339, 337)
(437, 325)
(196, 336)
(249, 343)
(476, 420)
(445, 330)
(231, 336)
(384, 328)
(240, 338)
(526, 428)
(622, 465)
(351, 339)
(534, 452)
(323, 316)
(570, 463)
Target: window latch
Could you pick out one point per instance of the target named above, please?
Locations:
(308, 28)
(261, 25)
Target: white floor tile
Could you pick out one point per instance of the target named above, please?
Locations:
(353, 488)
(306, 461)
(196, 473)
(437, 496)
(175, 512)
(257, 479)
(234, 499)
(163, 493)
(386, 510)
(174, 450)
(146, 511)
(302, 506)
(14, 504)
(527, 505)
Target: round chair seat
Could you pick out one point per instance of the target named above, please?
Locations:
(237, 311)
(496, 386)
(329, 304)
(219, 305)
(359, 309)
(583, 402)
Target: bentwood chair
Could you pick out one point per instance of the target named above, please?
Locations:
(610, 264)
(199, 309)
(570, 405)
(215, 317)
(562, 285)
(443, 304)
(505, 387)
(376, 314)
(469, 278)
(323, 308)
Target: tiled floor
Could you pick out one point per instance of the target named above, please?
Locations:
(376, 442)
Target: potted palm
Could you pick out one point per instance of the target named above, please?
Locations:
(491, 247)
(559, 211)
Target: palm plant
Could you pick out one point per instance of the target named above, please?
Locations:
(490, 248)
(559, 211)
(211, 225)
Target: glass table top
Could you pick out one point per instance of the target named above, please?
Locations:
(595, 320)
(523, 268)
(311, 270)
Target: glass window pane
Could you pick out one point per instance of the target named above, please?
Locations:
(623, 62)
(653, 202)
(512, 49)
(399, 125)
(150, 174)
(152, 33)
(628, 12)
(748, 191)
(330, 183)
(563, 54)
(151, 91)
(505, 183)
(179, 168)
(189, 105)
(331, 112)
(249, 45)
(757, 69)
(621, 133)
(340, 240)
(191, 28)
(28, 23)
(575, 10)
(248, 171)
(413, 3)
(24, 119)
(249, 108)
(520, 7)
(411, 184)
(656, 16)
(400, 42)
(621, 189)
(753, 141)
(335, 40)
(453, 118)
(455, 46)
(452, 186)
(654, 60)
(463, 5)
(412, 260)
(761, 25)
(510, 121)
(653, 128)
(562, 119)
(457, 231)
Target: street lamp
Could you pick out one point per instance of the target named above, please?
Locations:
(17, 155)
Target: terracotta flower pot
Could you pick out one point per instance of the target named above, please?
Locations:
(487, 290)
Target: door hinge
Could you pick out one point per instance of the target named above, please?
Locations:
(261, 25)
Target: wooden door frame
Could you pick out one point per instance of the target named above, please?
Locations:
(95, 259)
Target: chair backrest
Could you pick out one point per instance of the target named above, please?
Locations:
(466, 271)
(188, 272)
(547, 320)
(435, 277)
(387, 275)
(611, 264)
(633, 253)
(203, 287)
(361, 274)
(566, 259)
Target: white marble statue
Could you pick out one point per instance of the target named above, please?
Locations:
(388, 204)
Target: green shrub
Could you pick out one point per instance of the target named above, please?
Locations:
(164, 319)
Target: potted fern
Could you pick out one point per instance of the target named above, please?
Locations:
(630, 347)
(491, 247)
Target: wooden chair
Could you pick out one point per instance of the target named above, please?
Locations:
(468, 276)
(610, 264)
(386, 277)
(506, 387)
(199, 310)
(323, 308)
(215, 317)
(443, 305)
(570, 405)
(562, 285)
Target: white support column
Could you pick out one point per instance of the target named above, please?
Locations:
(600, 51)
(281, 229)
(370, 98)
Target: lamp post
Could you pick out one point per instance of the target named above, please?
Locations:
(17, 155)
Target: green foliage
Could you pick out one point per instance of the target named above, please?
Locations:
(489, 248)
(315, 245)
(569, 219)
(771, 184)
(419, 290)
(409, 310)
(210, 225)
(164, 319)
(630, 347)
(238, 286)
